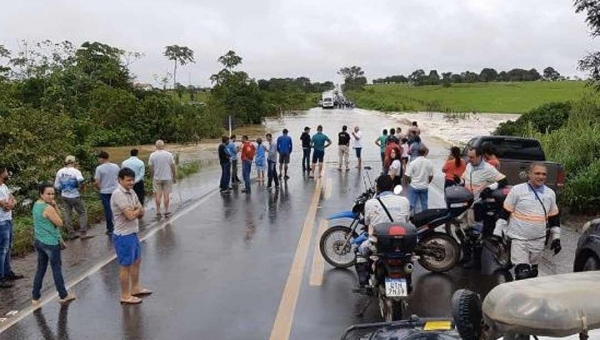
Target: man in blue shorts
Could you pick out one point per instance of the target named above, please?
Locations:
(319, 142)
(127, 210)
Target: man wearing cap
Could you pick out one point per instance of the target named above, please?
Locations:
(305, 138)
(68, 181)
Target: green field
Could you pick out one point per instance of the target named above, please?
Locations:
(514, 97)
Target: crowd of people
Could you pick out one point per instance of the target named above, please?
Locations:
(528, 210)
(122, 193)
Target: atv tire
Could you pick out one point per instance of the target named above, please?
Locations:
(466, 311)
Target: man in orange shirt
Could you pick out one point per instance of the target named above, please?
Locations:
(248, 151)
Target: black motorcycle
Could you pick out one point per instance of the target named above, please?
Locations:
(486, 211)
(392, 266)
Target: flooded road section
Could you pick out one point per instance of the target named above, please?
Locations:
(248, 266)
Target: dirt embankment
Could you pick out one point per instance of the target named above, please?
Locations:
(204, 151)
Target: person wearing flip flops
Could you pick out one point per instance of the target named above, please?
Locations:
(127, 211)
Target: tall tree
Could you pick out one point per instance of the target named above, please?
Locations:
(433, 78)
(230, 60)
(417, 78)
(488, 74)
(551, 74)
(591, 62)
(353, 77)
(179, 54)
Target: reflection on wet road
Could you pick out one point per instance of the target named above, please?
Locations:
(248, 267)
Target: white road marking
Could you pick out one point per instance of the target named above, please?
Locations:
(29, 310)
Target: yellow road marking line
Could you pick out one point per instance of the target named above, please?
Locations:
(158, 227)
(282, 326)
(318, 263)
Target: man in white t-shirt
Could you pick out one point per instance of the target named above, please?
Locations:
(419, 174)
(480, 178)
(7, 204)
(164, 175)
(357, 145)
(68, 180)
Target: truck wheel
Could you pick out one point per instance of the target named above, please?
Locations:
(466, 311)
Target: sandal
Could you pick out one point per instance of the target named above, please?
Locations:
(131, 301)
(143, 292)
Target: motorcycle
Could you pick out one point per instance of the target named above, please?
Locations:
(472, 239)
(392, 266)
(436, 251)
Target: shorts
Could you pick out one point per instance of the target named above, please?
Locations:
(318, 156)
(284, 158)
(128, 249)
(159, 185)
(260, 167)
(358, 152)
(526, 251)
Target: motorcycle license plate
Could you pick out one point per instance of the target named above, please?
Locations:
(396, 287)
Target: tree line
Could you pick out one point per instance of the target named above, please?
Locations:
(58, 99)
(420, 77)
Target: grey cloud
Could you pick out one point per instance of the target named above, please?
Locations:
(315, 38)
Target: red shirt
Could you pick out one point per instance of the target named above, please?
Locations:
(248, 151)
(450, 168)
(493, 161)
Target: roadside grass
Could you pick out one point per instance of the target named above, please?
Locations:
(502, 97)
(23, 224)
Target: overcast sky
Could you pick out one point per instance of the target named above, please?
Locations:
(314, 38)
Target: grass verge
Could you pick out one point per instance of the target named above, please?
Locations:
(509, 97)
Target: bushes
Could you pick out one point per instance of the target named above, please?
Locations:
(546, 118)
(576, 145)
(582, 192)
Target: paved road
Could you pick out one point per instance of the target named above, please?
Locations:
(246, 267)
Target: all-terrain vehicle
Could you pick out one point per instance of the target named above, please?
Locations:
(552, 306)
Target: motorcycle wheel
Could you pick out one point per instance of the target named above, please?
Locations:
(333, 249)
(438, 243)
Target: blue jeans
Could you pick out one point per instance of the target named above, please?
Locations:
(108, 216)
(415, 195)
(48, 253)
(306, 159)
(272, 173)
(246, 168)
(6, 232)
(225, 175)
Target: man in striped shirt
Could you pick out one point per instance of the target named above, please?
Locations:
(481, 179)
(529, 210)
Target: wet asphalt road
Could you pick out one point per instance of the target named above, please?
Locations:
(248, 267)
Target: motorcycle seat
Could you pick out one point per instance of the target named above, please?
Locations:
(426, 216)
(554, 306)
